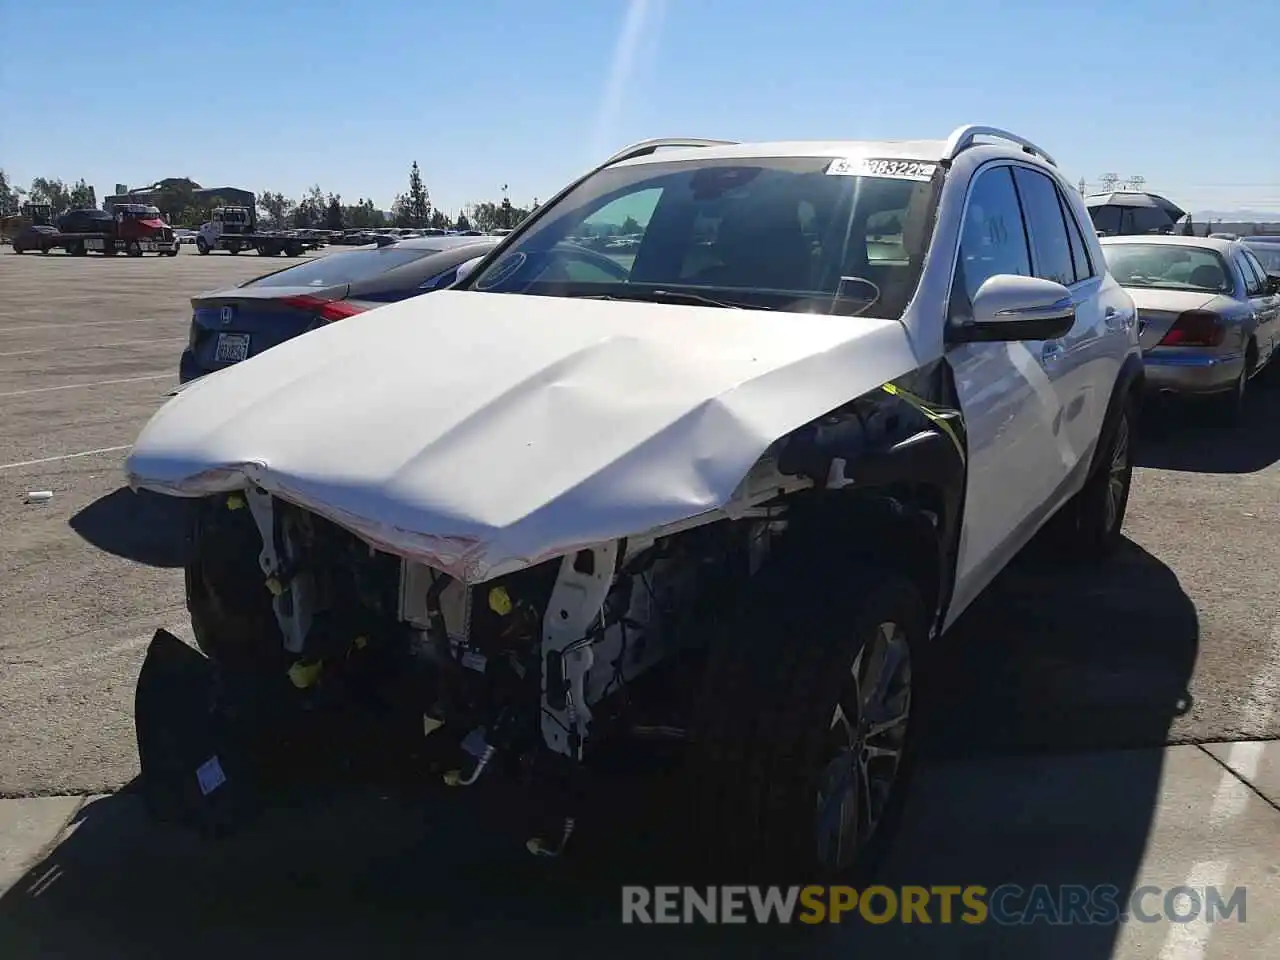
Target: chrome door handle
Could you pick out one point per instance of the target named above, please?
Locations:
(1115, 320)
(1050, 352)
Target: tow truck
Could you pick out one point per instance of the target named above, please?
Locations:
(235, 228)
(134, 228)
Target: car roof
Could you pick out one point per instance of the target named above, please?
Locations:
(1167, 240)
(891, 149)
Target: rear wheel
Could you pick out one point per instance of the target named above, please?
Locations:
(202, 246)
(801, 757)
(1229, 406)
(76, 248)
(1089, 525)
(293, 250)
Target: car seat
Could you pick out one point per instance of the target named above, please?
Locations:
(1208, 276)
(761, 245)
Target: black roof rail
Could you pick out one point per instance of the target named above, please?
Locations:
(962, 138)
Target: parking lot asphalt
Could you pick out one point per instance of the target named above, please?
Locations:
(1176, 641)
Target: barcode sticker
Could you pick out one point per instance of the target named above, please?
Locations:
(875, 167)
(210, 776)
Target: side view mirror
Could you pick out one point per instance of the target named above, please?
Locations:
(465, 269)
(1008, 307)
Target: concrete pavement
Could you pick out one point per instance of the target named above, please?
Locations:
(384, 875)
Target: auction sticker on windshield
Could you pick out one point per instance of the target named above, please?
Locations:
(875, 167)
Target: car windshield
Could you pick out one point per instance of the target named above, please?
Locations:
(1268, 255)
(1167, 267)
(350, 266)
(807, 234)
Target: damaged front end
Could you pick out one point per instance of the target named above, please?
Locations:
(328, 656)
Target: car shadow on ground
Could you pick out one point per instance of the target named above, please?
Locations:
(144, 527)
(1049, 661)
(1178, 434)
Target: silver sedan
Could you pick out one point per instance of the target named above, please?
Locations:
(1208, 314)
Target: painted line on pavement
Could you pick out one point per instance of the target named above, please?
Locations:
(64, 456)
(81, 386)
(86, 323)
(1188, 941)
(1243, 759)
(92, 346)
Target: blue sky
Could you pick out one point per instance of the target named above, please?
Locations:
(280, 94)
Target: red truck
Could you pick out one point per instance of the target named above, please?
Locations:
(134, 228)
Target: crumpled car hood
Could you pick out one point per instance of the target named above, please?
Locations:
(480, 433)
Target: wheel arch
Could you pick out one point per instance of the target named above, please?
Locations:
(889, 470)
(1127, 389)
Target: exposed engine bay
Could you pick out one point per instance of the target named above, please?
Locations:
(532, 671)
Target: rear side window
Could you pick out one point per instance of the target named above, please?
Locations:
(1106, 219)
(1267, 255)
(1254, 285)
(1050, 247)
(1140, 220)
(351, 266)
(1079, 251)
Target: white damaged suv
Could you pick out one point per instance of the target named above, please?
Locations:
(709, 450)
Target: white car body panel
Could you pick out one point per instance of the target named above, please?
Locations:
(481, 433)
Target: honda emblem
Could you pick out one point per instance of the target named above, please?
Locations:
(226, 314)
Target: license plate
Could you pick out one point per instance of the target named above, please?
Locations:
(232, 348)
(93, 244)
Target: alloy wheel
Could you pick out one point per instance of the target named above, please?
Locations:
(1117, 473)
(868, 733)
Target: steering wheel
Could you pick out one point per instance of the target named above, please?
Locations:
(527, 266)
(564, 250)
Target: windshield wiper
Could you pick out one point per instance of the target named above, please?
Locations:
(671, 296)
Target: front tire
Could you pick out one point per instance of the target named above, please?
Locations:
(801, 757)
(133, 248)
(202, 246)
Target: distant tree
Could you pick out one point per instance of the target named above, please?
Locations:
(8, 197)
(417, 200)
(438, 220)
(176, 198)
(400, 211)
(362, 214)
(631, 225)
(82, 196)
(463, 223)
(311, 209)
(277, 209)
(333, 215)
(51, 191)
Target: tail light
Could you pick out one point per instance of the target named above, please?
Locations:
(1195, 328)
(327, 310)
